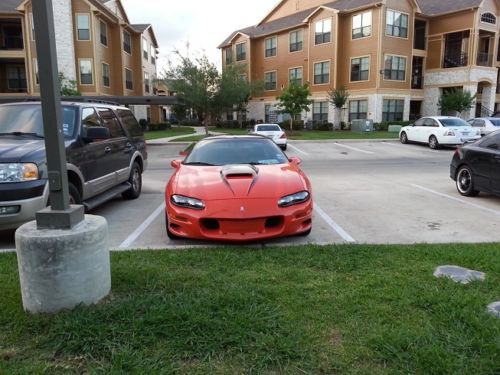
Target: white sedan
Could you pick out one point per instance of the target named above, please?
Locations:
(272, 131)
(485, 124)
(439, 130)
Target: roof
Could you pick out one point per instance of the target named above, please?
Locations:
(9, 6)
(435, 8)
(140, 27)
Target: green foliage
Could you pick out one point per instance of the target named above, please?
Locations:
(68, 86)
(338, 97)
(384, 125)
(294, 99)
(456, 100)
(159, 126)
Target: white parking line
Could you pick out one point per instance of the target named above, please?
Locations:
(495, 212)
(337, 228)
(141, 228)
(354, 148)
(298, 150)
(7, 251)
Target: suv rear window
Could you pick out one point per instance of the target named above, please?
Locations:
(129, 122)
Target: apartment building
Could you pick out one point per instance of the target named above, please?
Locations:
(395, 57)
(97, 47)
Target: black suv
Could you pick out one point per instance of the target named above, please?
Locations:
(105, 156)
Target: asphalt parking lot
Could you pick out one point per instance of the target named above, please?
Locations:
(364, 192)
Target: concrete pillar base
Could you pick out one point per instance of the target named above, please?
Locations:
(62, 268)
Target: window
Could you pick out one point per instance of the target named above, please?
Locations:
(488, 18)
(417, 78)
(241, 53)
(83, 26)
(16, 78)
(396, 24)
(35, 70)
(86, 76)
(153, 54)
(322, 73)
(145, 48)
(105, 75)
(103, 31)
(32, 24)
(360, 68)
(270, 80)
(111, 122)
(358, 109)
(129, 122)
(323, 31)
(295, 41)
(129, 83)
(362, 25)
(229, 55)
(320, 111)
(90, 118)
(295, 76)
(271, 46)
(127, 42)
(392, 110)
(395, 67)
(146, 81)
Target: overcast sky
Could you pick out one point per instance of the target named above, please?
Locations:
(204, 24)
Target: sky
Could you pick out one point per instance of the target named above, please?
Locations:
(201, 23)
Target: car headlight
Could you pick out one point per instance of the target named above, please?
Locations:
(289, 200)
(18, 172)
(187, 202)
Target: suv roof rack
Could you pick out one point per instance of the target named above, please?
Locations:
(88, 100)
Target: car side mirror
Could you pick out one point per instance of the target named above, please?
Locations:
(96, 133)
(176, 164)
(294, 160)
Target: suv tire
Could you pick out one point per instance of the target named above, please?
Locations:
(74, 194)
(135, 180)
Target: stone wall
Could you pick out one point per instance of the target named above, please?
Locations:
(64, 30)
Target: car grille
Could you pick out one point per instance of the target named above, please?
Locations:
(255, 225)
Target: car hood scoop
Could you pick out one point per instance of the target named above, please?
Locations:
(240, 178)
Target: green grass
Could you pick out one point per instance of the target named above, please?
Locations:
(348, 309)
(174, 131)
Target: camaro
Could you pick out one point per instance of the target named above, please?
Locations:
(237, 188)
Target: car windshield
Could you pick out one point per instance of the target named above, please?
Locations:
(453, 122)
(27, 120)
(236, 151)
(268, 128)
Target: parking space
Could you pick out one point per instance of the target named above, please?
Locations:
(364, 192)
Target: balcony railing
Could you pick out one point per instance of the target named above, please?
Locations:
(484, 59)
(454, 60)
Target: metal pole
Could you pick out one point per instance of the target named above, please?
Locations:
(60, 214)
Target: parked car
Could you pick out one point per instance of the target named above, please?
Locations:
(105, 156)
(439, 131)
(272, 131)
(475, 167)
(486, 125)
(237, 188)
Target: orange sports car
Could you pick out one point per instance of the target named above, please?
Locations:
(237, 188)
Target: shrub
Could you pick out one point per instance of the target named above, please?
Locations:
(322, 125)
(143, 123)
(384, 125)
(190, 122)
(297, 125)
(159, 126)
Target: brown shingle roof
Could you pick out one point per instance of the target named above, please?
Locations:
(435, 7)
(9, 6)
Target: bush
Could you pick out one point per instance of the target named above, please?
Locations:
(191, 122)
(227, 124)
(384, 125)
(297, 125)
(322, 125)
(159, 126)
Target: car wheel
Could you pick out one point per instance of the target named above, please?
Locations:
(74, 194)
(433, 142)
(169, 233)
(465, 182)
(135, 180)
(403, 138)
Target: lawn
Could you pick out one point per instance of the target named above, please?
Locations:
(174, 131)
(338, 309)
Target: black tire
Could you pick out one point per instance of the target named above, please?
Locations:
(433, 142)
(74, 194)
(465, 182)
(135, 180)
(169, 233)
(403, 138)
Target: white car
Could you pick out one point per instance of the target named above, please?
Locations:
(272, 131)
(439, 131)
(486, 125)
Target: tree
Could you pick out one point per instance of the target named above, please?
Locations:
(338, 98)
(456, 100)
(293, 100)
(68, 87)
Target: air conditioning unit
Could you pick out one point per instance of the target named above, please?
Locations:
(360, 125)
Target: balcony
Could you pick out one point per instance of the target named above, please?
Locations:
(455, 59)
(484, 59)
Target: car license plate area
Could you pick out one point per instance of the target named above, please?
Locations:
(242, 225)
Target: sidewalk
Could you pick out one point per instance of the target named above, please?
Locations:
(199, 130)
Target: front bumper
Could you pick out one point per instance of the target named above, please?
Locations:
(240, 220)
(32, 198)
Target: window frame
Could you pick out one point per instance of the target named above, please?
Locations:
(271, 49)
(296, 68)
(301, 32)
(323, 33)
(32, 27)
(152, 54)
(398, 26)
(391, 70)
(125, 32)
(488, 13)
(35, 71)
(91, 71)
(104, 76)
(362, 27)
(360, 58)
(321, 113)
(322, 74)
(244, 53)
(275, 80)
(358, 102)
(147, 84)
(228, 58)
(101, 23)
(131, 88)
(77, 15)
(386, 118)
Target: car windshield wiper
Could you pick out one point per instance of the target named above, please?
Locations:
(198, 163)
(22, 134)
